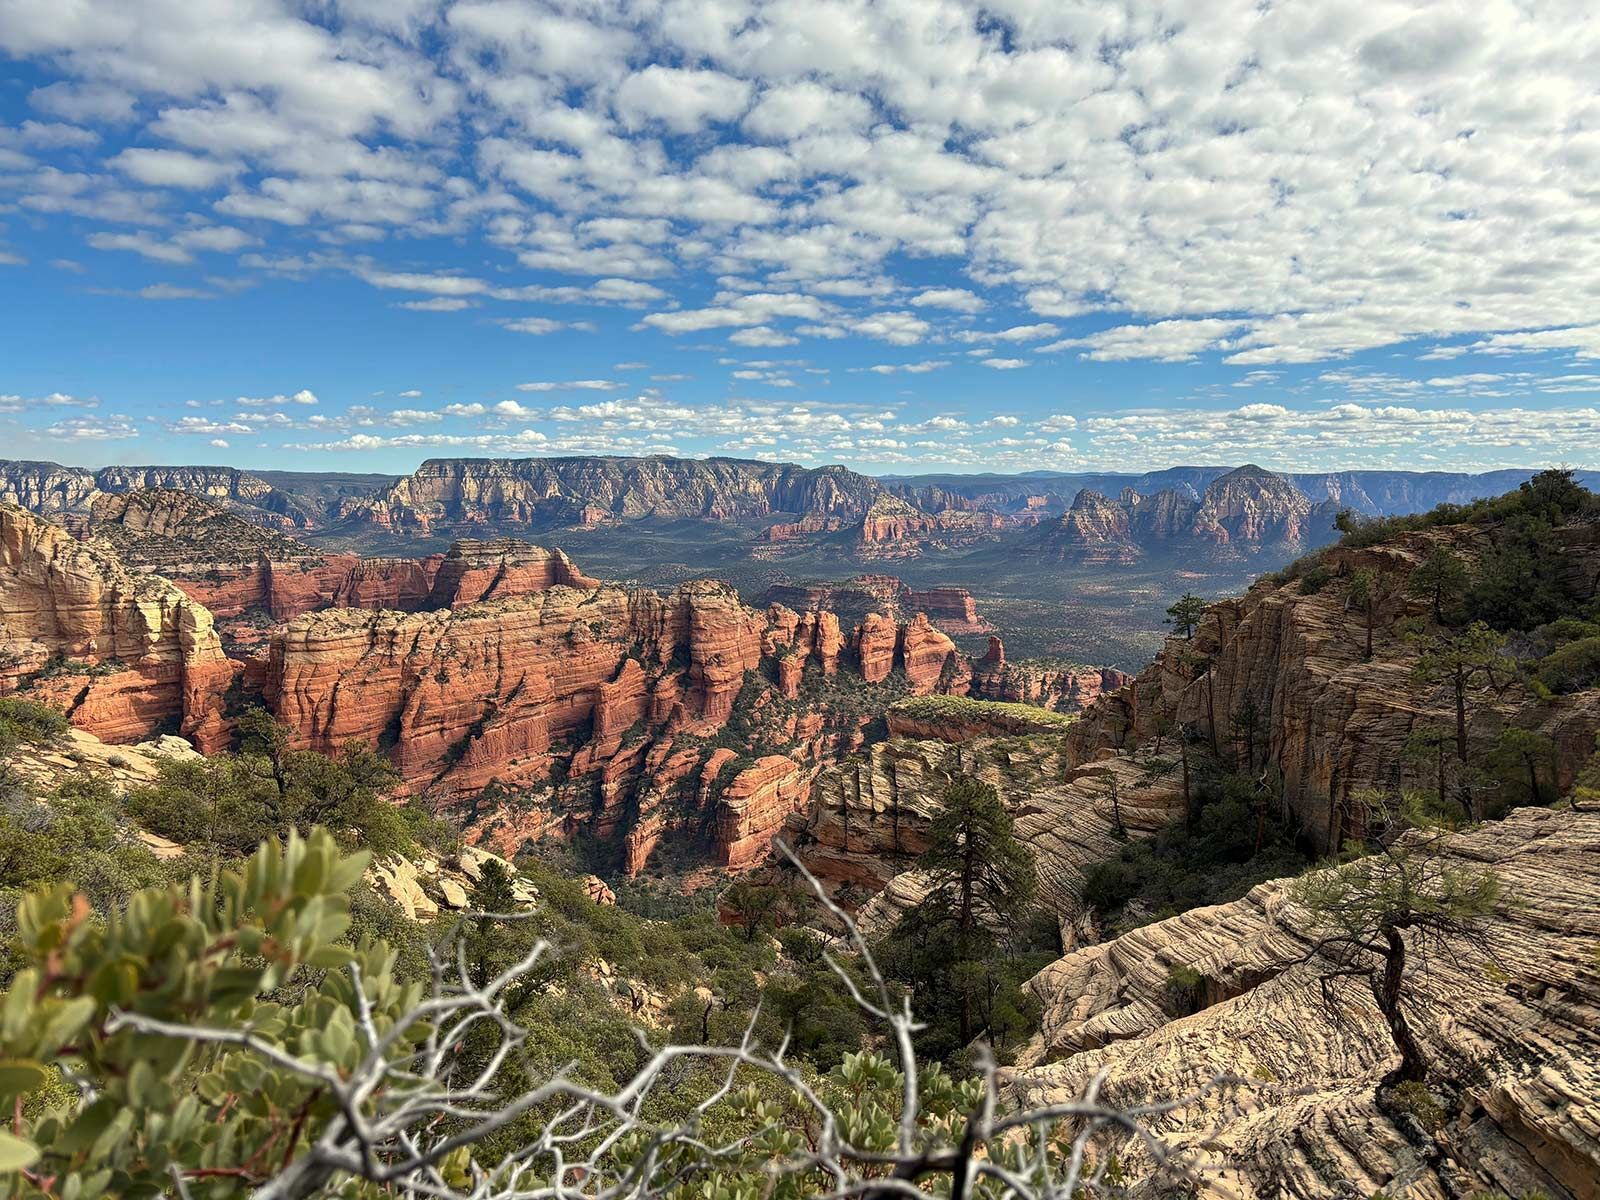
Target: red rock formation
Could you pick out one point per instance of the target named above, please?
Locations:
(127, 655)
(931, 660)
(754, 807)
(494, 570)
(875, 640)
(1058, 687)
(951, 608)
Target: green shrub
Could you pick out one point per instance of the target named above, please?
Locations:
(1422, 1105)
(28, 723)
(1317, 578)
(1572, 668)
(1184, 991)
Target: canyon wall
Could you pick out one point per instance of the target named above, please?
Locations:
(125, 655)
(460, 494)
(1332, 722)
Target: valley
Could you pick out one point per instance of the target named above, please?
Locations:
(619, 754)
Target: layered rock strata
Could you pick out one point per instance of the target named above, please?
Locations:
(126, 656)
(1515, 1023)
(1330, 722)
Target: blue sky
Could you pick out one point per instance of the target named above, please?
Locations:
(906, 235)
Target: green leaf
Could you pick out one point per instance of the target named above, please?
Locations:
(18, 1077)
(15, 1153)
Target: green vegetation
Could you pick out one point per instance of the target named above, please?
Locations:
(1185, 614)
(966, 949)
(1237, 841)
(233, 802)
(25, 723)
(1378, 917)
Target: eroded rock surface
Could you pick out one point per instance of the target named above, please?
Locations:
(125, 656)
(1519, 1030)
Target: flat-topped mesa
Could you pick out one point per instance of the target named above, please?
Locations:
(951, 608)
(554, 492)
(126, 656)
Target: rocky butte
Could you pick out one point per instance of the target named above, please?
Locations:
(125, 655)
(1241, 514)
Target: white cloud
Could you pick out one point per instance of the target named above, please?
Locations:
(958, 299)
(173, 168)
(683, 101)
(571, 385)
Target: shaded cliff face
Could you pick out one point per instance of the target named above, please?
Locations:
(1330, 722)
(126, 656)
(1300, 1120)
(540, 493)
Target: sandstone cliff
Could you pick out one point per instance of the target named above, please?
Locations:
(126, 656)
(545, 702)
(52, 490)
(1060, 687)
(1519, 1028)
(1331, 723)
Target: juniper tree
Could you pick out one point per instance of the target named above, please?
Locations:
(1441, 579)
(1375, 918)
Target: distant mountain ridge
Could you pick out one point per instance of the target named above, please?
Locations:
(1242, 513)
(548, 493)
(788, 509)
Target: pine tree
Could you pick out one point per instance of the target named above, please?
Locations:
(1371, 915)
(1185, 613)
(1460, 660)
(1362, 595)
(1441, 579)
(975, 866)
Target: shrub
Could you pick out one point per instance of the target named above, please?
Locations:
(1314, 580)
(28, 723)
(1184, 991)
(1573, 667)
